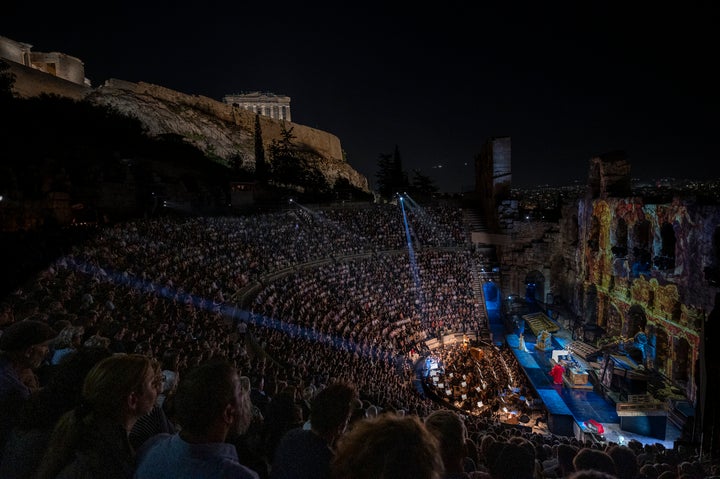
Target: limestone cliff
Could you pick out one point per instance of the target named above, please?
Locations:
(224, 133)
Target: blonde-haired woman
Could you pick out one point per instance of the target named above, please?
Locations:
(92, 439)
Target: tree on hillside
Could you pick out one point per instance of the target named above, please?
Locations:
(286, 167)
(391, 177)
(261, 166)
(422, 184)
(7, 80)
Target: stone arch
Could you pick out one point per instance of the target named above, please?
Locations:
(614, 321)
(666, 259)
(641, 234)
(682, 360)
(640, 241)
(636, 321)
(620, 240)
(535, 286)
(491, 292)
(591, 305)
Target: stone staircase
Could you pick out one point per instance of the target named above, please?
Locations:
(482, 271)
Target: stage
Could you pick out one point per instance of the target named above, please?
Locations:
(571, 407)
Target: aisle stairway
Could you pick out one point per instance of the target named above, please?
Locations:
(482, 267)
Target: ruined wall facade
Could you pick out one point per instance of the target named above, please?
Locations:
(60, 65)
(17, 52)
(631, 265)
(57, 64)
(30, 82)
(641, 270)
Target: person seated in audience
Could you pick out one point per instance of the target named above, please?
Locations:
(590, 474)
(594, 459)
(388, 446)
(68, 340)
(450, 431)
(210, 405)
(23, 348)
(92, 439)
(36, 419)
(565, 454)
(156, 421)
(626, 465)
(307, 453)
(515, 459)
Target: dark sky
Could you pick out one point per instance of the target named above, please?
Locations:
(566, 81)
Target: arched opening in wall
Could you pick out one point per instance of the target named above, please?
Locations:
(662, 348)
(666, 259)
(712, 272)
(594, 235)
(636, 321)
(590, 310)
(614, 323)
(620, 265)
(535, 287)
(640, 241)
(681, 360)
(620, 239)
(493, 299)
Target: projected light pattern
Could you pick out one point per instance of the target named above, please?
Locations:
(411, 256)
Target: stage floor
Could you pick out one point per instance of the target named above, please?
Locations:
(583, 404)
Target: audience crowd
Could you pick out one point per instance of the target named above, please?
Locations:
(257, 345)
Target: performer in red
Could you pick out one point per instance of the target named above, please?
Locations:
(557, 373)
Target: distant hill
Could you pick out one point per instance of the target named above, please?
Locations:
(223, 133)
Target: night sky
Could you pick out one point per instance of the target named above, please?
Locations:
(567, 82)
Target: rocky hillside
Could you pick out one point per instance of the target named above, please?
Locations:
(222, 132)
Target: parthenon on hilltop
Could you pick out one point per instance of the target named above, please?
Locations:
(266, 104)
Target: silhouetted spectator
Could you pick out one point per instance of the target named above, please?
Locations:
(23, 348)
(648, 471)
(92, 439)
(30, 438)
(626, 466)
(388, 446)
(590, 474)
(307, 453)
(449, 429)
(210, 405)
(515, 461)
(283, 415)
(67, 341)
(593, 459)
(566, 454)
